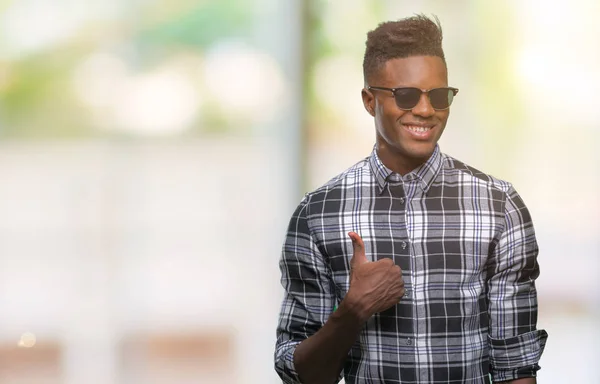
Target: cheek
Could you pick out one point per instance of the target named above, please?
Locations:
(443, 115)
(387, 125)
(387, 118)
(392, 120)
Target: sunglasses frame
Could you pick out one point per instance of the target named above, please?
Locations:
(423, 91)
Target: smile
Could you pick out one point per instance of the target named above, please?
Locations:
(418, 129)
(420, 132)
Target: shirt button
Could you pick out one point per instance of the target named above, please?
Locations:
(407, 293)
(402, 200)
(403, 244)
(409, 341)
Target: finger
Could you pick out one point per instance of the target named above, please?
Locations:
(401, 294)
(358, 256)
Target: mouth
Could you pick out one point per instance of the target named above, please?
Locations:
(420, 131)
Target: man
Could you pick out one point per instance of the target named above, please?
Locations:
(410, 266)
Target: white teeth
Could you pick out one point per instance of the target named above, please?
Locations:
(418, 129)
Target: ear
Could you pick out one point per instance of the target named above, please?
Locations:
(368, 101)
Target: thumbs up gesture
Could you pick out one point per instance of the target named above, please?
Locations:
(374, 286)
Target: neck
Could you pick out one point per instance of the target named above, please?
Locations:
(397, 161)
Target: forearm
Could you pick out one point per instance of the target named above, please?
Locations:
(320, 358)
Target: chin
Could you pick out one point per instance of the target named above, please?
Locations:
(422, 151)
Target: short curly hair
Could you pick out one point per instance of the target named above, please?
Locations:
(413, 36)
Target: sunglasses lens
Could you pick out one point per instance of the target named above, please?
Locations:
(441, 98)
(407, 98)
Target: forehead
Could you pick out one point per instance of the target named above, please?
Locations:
(423, 72)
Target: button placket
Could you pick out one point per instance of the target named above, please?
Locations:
(401, 251)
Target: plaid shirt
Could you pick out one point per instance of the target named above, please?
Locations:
(467, 249)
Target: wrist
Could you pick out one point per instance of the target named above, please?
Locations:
(352, 307)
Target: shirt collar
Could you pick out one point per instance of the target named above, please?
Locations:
(425, 173)
(380, 171)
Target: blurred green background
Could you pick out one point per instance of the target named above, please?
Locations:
(152, 151)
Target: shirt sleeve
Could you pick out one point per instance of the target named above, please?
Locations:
(515, 344)
(309, 296)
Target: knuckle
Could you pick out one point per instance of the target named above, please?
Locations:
(388, 261)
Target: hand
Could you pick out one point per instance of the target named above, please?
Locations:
(374, 286)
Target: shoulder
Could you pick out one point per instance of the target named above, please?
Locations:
(336, 189)
(461, 172)
(503, 194)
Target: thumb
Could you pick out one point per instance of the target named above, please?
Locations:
(358, 256)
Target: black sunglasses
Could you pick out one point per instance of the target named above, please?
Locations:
(407, 98)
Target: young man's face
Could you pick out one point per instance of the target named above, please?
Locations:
(407, 138)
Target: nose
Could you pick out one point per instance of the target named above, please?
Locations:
(423, 107)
